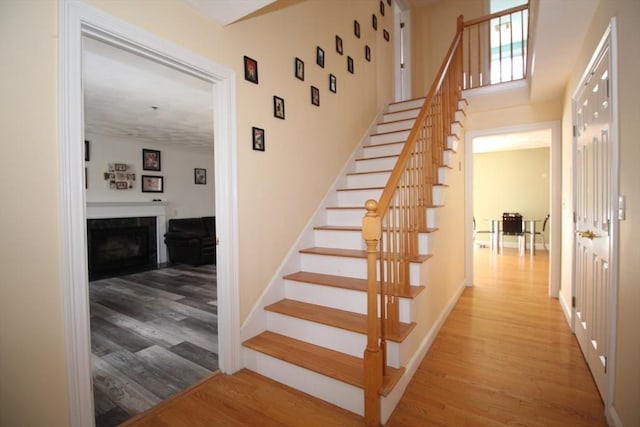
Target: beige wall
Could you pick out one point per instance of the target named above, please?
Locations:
(435, 26)
(278, 189)
(626, 398)
(510, 181)
(32, 359)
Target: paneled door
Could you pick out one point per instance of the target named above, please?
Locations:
(593, 178)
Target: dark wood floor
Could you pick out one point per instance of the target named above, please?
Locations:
(153, 334)
(504, 357)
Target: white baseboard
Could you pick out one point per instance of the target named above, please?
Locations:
(613, 419)
(566, 309)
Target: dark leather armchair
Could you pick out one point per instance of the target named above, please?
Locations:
(191, 240)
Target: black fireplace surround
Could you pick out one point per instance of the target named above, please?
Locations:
(118, 246)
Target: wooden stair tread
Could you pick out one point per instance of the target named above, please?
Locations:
(344, 282)
(376, 157)
(340, 366)
(347, 320)
(369, 172)
(360, 188)
(352, 253)
(359, 228)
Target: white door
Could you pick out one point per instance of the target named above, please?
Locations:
(592, 121)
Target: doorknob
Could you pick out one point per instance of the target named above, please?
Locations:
(587, 234)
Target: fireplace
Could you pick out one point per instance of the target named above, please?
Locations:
(118, 246)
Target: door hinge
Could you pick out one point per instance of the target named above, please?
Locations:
(575, 217)
(573, 302)
(402, 25)
(575, 131)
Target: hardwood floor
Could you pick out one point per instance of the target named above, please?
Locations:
(504, 357)
(153, 334)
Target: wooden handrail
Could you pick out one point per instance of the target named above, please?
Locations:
(391, 226)
(495, 15)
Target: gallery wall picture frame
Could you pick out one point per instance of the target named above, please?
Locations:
(381, 8)
(350, 64)
(333, 84)
(152, 184)
(367, 53)
(258, 138)
(374, 22)
(299, 69)
(278, 107)
(315, 96)
(356, 29)
(339, 45)
(250, 70)
(320, 56)
(386, 35)
(199, 176)
(389, 3)
(151, 160)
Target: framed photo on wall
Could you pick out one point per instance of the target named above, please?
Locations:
(278, 107)
(152, 184)
(315, 96)
(258, 138)
(199, 176)
(332, 83)
(320, 56)
(250, 70)
(150, 160)
(299, 69)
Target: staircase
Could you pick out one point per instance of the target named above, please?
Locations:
(316, 335)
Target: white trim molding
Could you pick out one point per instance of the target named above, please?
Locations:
(76, 20)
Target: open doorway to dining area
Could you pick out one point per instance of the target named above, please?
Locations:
(512, 189)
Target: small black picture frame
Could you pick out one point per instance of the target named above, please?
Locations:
(333, 84)
(339, 45)
(87, 147)
(199, 176)
(350, 64)
(299, 69)
(250, 70)
(367, 53)
(151, 160)
(315, 96)
(374, 22)
(356, 29)
(257, 136)
(278, 107)
(385, 34)
(381, 8)
(320, 56)
(152, 184)
(389, 3)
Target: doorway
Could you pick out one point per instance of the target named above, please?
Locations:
(547, 134)
(78, 20)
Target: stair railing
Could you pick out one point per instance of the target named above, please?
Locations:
(496, 48)
(391, 225)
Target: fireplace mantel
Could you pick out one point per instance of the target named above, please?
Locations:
(96, 210)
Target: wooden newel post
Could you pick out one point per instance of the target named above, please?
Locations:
(373, 357)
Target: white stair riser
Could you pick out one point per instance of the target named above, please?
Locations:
(333, 391)
(460, 116)
(442, 175)
(345, 216)
(462, 105)
(382, 138)
(334, 265)
(414, 103)
(432, 217)
(401, 115)
(347, 266)
(340, 239)
(446, 158)
(438, 195)
(358, 197)
(343, 239)
(394, 126)
(382, 150)
(336, 339)
(339, 298)
(456, 129)
(453, 142)
(371, 165)
(378, 179)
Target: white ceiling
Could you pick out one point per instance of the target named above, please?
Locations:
(122, 88)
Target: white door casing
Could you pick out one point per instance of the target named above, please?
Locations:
(75, 20)
(595, 196)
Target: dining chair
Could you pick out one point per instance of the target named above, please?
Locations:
(542, 233)
(512, 225)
